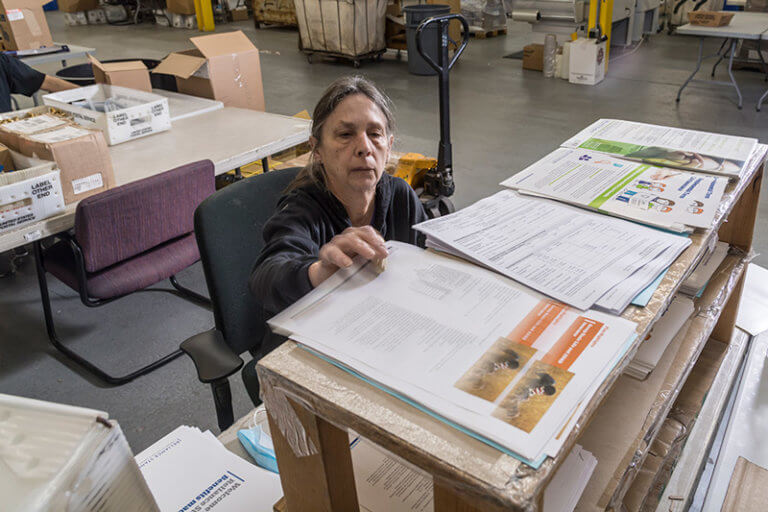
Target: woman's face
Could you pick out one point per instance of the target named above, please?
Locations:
(355, 145)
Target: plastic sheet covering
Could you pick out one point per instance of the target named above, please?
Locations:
(462, 464)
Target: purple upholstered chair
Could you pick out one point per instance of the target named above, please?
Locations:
(126, 239)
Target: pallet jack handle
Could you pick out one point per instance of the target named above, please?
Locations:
(443, 66)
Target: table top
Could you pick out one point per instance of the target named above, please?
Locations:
(744, 25)
(74, 52)
(450, 455)
(230, 137)
(184, 105)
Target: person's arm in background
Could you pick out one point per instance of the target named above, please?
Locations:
(56, 84)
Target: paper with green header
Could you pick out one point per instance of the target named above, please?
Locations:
(658, 196)
(665, 146)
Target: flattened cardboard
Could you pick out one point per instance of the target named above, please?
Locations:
(748, 489)
(78, 5)
(224, 67)
(23, 25)
(132, 74)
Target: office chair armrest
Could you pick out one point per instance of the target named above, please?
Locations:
(212, 356)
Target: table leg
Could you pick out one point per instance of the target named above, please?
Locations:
(762, 99)
(63, 63)
(762, 60)
(730, 71)
(265, 164)
(698, 67)
(720, 59)
(323, 481)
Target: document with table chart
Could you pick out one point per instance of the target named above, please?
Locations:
(572, 255)
(472, 347)
(664, 146)
(658, 196)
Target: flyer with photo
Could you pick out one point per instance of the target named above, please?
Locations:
(659, 196)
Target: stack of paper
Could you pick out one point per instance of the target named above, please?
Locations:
(662, 197)
(578, 257)
(469, 346)
(667, 147)
(662, 333)
(59, 457)
(191, 470)
(697, 281)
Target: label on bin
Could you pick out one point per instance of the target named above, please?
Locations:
(14, 14)
(34, 124)
(88, 183)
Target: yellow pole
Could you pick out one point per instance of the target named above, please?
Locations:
(204, 12)
(606, 22)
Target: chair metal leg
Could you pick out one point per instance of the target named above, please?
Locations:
(87, 365)
(222, 398)
(189, 294)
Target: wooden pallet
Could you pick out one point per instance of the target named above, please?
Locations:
(479, 33)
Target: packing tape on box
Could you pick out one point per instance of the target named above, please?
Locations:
(282, 413)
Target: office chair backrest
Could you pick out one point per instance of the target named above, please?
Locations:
(228, 227)
(122, 222)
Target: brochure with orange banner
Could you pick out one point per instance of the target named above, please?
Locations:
(494, 359)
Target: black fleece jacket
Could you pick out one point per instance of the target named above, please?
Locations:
(306, 219)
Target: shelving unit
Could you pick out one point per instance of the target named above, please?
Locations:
(312, 403)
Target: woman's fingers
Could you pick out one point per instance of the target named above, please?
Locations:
(364, 241)
(335, 256)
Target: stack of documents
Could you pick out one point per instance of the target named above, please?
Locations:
(666, 198)
(464, 344)
(191, 470)
(667, 147)
(59, 457)
(656, 342)
(578, 257)
(697, 281)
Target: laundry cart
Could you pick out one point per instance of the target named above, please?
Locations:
(347, 29)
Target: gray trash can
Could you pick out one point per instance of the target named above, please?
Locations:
(414, 15)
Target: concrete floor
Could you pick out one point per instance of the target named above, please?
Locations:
(504, 118)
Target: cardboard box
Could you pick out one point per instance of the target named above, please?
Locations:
(587, 62)
(78, 5)
(181, 6)
(80, 154)
(132, 74)
(533, 57)
(29, 195)
(135, 113)
(710, 18)
(23, 25)
(240, 13)
(6, 160)
(223, 67)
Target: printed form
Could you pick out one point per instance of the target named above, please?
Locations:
(468, 345)
(569, 254)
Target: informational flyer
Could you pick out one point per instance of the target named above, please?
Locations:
(659, 196)
(665, 146)
(472, 347)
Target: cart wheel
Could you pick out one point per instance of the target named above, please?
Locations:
(356, 63)
(380, 56)
(399, 55)
(446, 206)
(309, 58)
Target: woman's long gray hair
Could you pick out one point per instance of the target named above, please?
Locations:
(314, 173)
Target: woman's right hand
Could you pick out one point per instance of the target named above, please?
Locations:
(338, 253)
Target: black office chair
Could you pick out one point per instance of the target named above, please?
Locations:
(228, 227)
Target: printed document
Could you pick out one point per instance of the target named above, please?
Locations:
(667, 147)
(468, 345)
(662, 197)
(567, 253)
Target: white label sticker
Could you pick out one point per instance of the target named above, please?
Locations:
(88, 183)
(14, 14)
(34, 124)
(66, 133)
(33, 235)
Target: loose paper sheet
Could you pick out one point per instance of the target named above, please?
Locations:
(753, 308)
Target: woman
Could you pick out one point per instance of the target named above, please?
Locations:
(342, 204)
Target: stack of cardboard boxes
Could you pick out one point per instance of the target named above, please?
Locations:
(181, 13)
(23, 25)
(82, 12)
